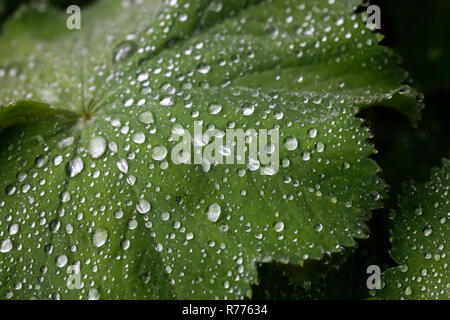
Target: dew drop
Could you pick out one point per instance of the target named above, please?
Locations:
(306, 155)
(143, 206)
(203, 68)
(146, 117)
(159, 153)
(408, 291)
(312, 133)
(278, 226)
(14, 229)
(74, 167)
(124, 51)
(93, 294)
(320, 147)
(97, 147)
(100, 237)
(6, 245)
(61, 261)
(214, 108)
(213, 212)
(122, 164)
(139, 138)
(291, 143)
(167, 101)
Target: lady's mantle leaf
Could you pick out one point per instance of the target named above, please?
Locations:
(100, 193)
(420, 241)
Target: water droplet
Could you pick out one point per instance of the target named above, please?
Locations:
(125, 244)
(143, 77)
(408, 291)
(214, 108)
(124, 51)
(14, 229)
(320, 147)
(306, 155)
(418, 211)
(122, 164)
(278, 226)
(61, 261)
(312, 133)
(213, 212)
(65, 196)
(100, 237)
(55, 225)
(97, 147)
(6, 245)
(427, 231)
(318, 227)
(165, 216)
(291, 143)
(139, 138)
(203, 68)
(159, 153)
(74, 167)
(248, 109)
(93, 294)
(146, 117)
(167, 101)
(143, 206)
(41, 161)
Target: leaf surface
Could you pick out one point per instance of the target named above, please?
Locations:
(88, 122)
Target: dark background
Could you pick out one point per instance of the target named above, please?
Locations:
(419, 31)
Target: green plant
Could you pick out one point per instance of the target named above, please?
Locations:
(88, 119)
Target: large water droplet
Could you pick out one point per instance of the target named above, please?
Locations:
(6, 245)
(213, 212)
(61, 261)
(74, 167)
(159, 153)
(291, 143)
(100, 237)
(97, 147)
(278, 226)
(143, 206)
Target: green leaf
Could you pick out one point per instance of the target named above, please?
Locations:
(420, 241)
(86, 171)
